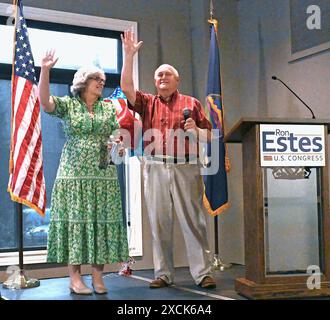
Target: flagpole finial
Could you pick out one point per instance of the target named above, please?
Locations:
(211, 10)
(212, 20)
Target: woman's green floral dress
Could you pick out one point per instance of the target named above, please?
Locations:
(86, 224)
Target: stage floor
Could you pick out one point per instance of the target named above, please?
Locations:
(136, 287)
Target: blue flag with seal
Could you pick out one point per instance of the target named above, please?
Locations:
(216, 189)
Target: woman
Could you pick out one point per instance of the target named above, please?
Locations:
(86, 216)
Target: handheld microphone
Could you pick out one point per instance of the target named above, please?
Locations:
(186, 113)
(313, 116)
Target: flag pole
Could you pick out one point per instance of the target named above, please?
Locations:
(18, 280)
(217, 264)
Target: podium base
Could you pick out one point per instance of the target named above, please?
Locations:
(20, 281)
(257, 291)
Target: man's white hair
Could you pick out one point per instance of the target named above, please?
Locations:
(80, 78)
(168, 66)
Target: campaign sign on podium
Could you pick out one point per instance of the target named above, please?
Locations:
(291, 145)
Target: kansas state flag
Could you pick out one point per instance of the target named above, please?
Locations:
(216, 193)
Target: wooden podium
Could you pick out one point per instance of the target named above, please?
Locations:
(267, 254)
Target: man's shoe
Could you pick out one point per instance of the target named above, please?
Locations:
(158, 283)
(208, 283)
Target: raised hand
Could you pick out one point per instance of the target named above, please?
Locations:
(48, 61)
(131, 46)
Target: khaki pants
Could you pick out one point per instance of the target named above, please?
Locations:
(179, 187)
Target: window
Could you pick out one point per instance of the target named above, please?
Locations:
(69, 41)
(103, 52)
(104, 49)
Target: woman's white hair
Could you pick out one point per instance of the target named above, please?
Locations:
(80, 78)
(168, 66)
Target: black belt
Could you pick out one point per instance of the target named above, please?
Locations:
(174, 160)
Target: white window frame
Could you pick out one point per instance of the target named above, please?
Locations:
(132, 168)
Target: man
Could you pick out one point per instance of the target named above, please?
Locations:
(171, 180)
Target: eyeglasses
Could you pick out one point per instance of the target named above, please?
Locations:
(98, 80)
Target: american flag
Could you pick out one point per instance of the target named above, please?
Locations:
(26, 178)
(268, 158)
